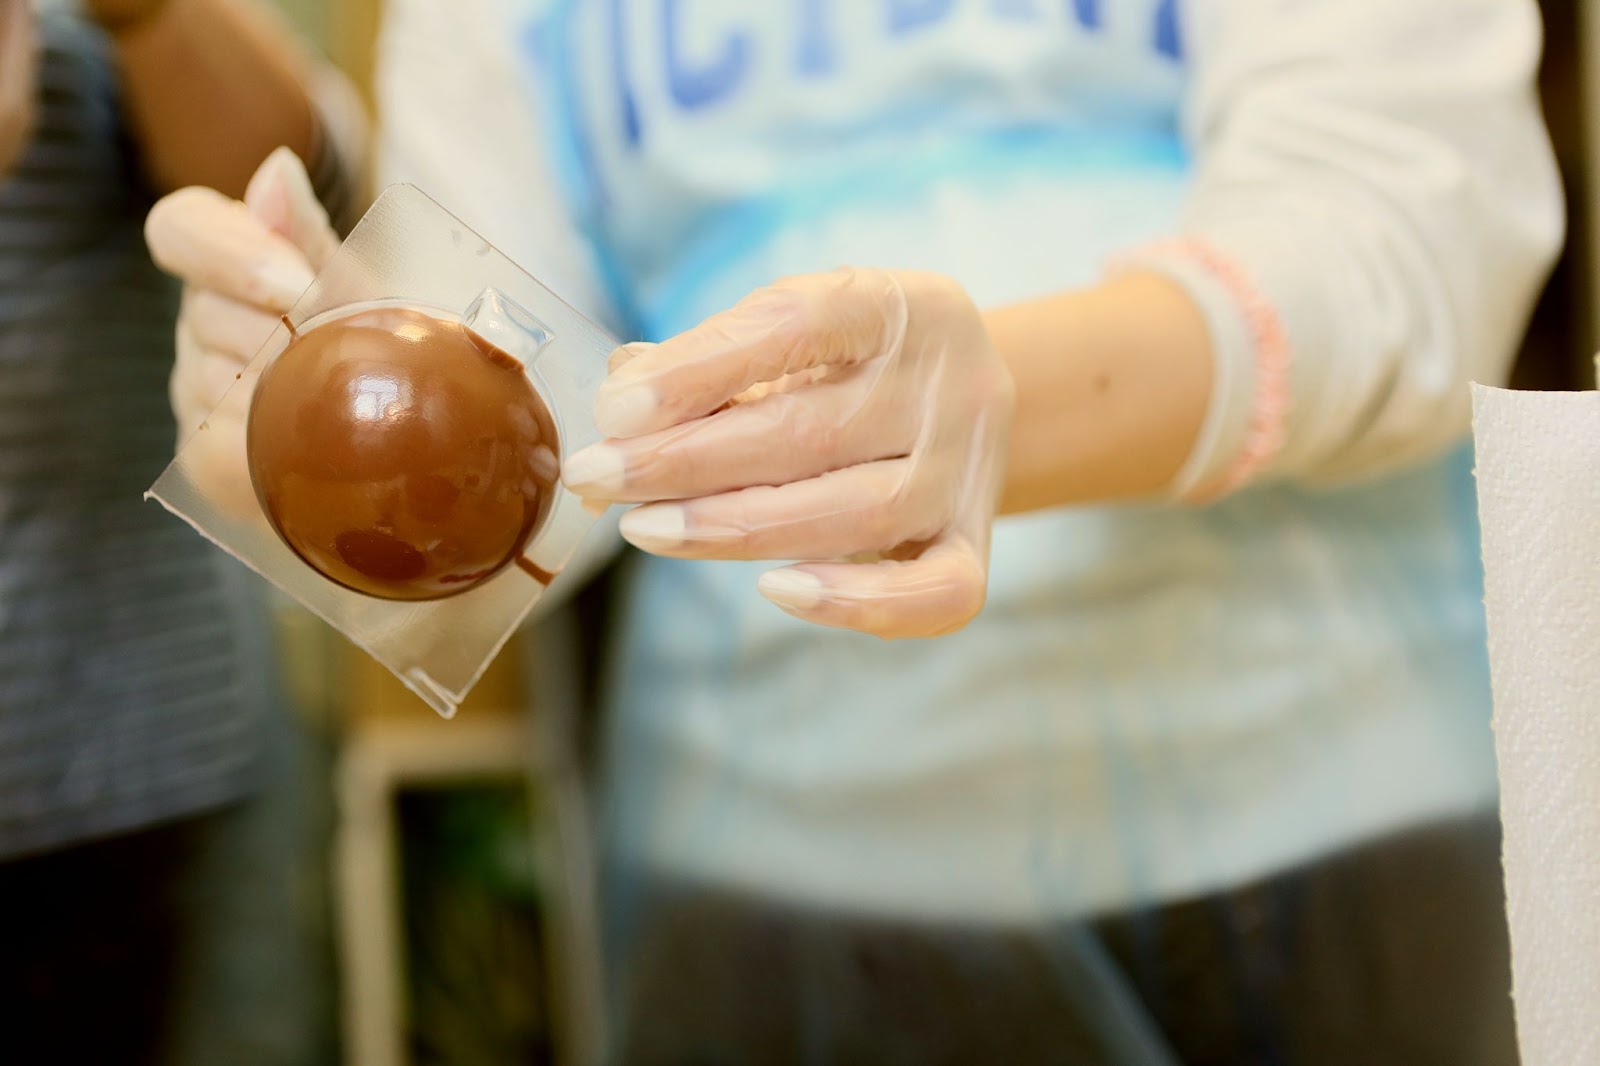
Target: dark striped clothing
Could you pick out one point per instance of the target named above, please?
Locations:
(132, 658)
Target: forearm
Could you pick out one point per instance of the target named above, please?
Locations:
(1113, 384)
(1373, 210)
(211, 87)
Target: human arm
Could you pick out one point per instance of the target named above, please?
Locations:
(1112, 383)
(210, 87)
(1374, 210)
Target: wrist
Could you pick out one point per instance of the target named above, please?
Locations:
(1246, 424)
(1113, 384)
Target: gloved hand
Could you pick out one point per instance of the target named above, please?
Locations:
(243, 265)
(856, 420)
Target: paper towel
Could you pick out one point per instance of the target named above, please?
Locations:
(1538, 458)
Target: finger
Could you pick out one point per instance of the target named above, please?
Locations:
(868, 508)
(626, 354)
(213, 375)
(226, 326)
(774, 440)
(936, 593)
(213, 456)
(280, 194)
(828, 319)
(200, 378)
(212, 242)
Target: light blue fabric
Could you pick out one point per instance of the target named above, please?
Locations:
(1157, 702)
(1153, 705)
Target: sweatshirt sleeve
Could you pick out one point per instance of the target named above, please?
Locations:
(1376, 206)
(458, 118)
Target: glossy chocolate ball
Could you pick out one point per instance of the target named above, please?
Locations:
(400, 454)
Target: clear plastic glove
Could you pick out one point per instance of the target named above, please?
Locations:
(856, 421)
(243, 265)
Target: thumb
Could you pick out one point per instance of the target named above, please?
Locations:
(280, 196)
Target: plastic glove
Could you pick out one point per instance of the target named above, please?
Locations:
(243, 265)
(859, 416)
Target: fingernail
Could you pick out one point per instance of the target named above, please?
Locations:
(624, 410)
(269, 178)
(596, 507)
(627, 354)
(597, 469)
(793, 590)
(658, 527)
(282, 281)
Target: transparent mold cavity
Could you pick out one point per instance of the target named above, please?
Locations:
(423, 385)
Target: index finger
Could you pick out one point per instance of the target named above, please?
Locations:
(848, 316)
(211, 241)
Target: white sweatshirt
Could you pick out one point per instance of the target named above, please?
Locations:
(1158, 701)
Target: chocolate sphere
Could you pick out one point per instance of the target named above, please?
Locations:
(400, 454)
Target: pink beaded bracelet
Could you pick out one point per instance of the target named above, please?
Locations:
(1270, 344)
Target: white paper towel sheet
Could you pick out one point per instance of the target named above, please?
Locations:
(1538, 458)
